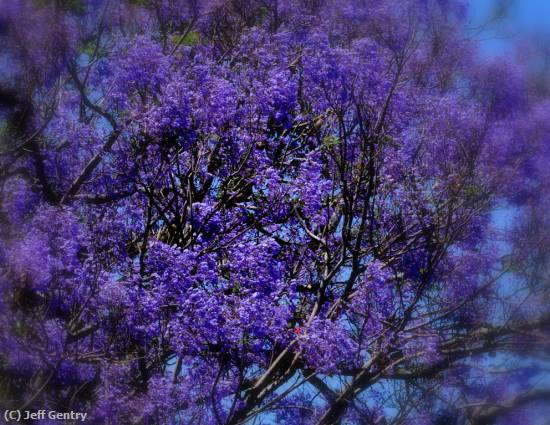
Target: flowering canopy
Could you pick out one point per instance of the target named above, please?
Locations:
(216, 212)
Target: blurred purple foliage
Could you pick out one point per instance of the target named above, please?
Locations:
(215, 212)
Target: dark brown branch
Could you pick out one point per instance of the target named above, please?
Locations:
(488, 414)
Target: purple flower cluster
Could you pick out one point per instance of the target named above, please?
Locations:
(216, 212)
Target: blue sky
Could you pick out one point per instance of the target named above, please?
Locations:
(522, 19)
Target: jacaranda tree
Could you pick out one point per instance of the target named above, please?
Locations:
(269, 211)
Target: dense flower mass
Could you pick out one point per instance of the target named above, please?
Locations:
(268, 211)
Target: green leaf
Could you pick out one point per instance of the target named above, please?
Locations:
(192, 38)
